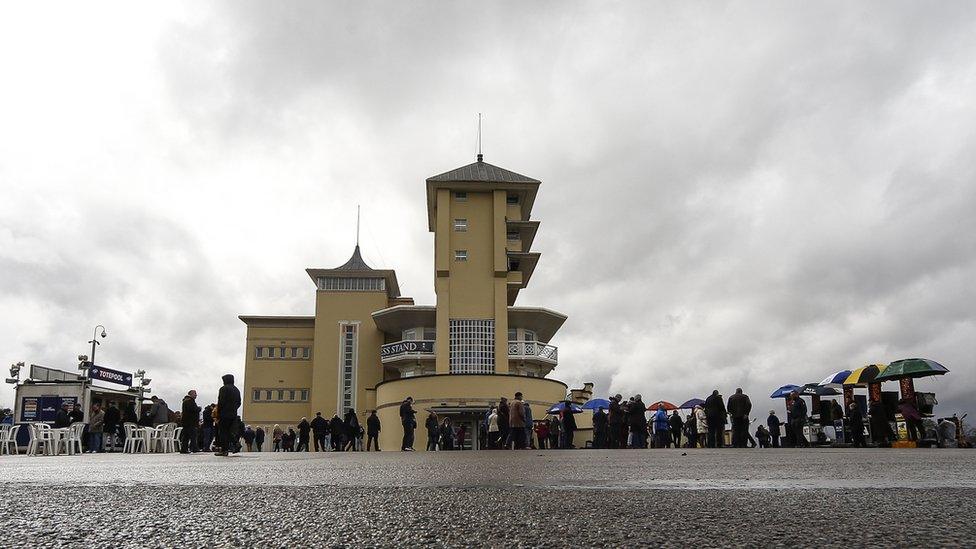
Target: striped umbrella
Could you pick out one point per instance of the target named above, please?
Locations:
(912, 367)
(865, 374)
(836, 378)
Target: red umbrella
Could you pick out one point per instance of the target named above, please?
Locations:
(661, 404)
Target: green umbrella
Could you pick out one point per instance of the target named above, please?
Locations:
(912, 367)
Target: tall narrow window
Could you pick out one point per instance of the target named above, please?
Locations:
(348, 359)
(258, 352)
(461, 225)
(282, 355)
(472, 346)
(305, 352)
(304, 395)
(294, 352)
(271, 352)
(257, 395)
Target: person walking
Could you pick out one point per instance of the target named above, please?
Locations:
(772, 423)
(739, 408)
(409, 421)
(259, 437)
(96, 426)
(304, 428)
(319, 427)
(336, 435)
(447, 434)
(716, 415)
(798, 413)
(433, 428)
(189, 419)
(493, 428)
(228, 402)
(352, 429)
(662, 425)
(676, 426)
(856, 420)
(373, 431)
(701, 424)
(276, 435)
(516, 423)
(248, 437)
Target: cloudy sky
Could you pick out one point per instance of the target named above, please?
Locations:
(733, 194)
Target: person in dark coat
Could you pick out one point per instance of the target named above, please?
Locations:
(337, 429)
(600, 424)
(432, 425)
(228, 402)
(63, 417)
(615, 419)
(189, 419)
(249, 438)
(569, 428)
(716, 416)
(676, 425)
(856, 421)
(113, 420)
(373, 431)
(76, 414)
(772, 423)
(259, 435)
(208, 426)
(739, 408)
(352, 429)
(408, 418)
(304, 428)
(638, 422)
(319, 427)
(504, 427)
(880, 428)
(798, 415)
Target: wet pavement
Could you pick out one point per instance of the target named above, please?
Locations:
(530, 498)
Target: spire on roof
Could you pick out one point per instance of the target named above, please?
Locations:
(355, 263)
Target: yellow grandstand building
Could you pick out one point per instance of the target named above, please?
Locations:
(367, 347)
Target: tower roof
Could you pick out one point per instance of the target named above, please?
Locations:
(355, 263)
(481, 172)
(356, 268)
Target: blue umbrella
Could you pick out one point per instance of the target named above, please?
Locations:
(836, 378)
(691, 403)
(595, 403)
(785, 390)
(560, 406)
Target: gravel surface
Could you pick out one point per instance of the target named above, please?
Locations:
(493, 499)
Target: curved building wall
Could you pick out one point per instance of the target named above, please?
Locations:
(456, 391)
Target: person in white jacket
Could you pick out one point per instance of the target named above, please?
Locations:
(493, 428)
(702, 425)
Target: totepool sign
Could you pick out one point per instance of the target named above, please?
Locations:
(107, 374)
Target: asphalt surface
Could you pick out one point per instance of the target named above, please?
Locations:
(874, 497)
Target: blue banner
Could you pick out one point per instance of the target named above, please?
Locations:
(107, 374)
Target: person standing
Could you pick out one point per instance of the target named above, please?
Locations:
(542, 433)
(600, 422)
(447, 434)
(159, 411)
(228, 402)
(96, 426)
(798, 413)
(319, 428)
(662, 436)
(772, 422)
(493, 428)
(259, 437)
(856, 419)
(638, 422)
(676, 425)
(701, 423)
(739, 408)
(373, 431)
(569, 428)
(189, 419)
(352, 429)
(691, 430)
(304, 428)
(113, 419)
(503, 423)
(409, 421)
(77, 414)
(516, 423)
(913, 419)
(276, 435)
(716, 415)
(555, 433)
(249, 438)
(336, 430)
(528, 424)
(433, 428)
(615, 422)
(208, 426)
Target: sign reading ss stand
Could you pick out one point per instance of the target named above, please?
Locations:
(107, 374)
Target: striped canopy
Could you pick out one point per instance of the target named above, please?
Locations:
(836, 378)
(865, 374)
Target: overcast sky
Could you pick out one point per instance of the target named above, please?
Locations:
(733, 195)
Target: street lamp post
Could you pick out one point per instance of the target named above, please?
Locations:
(94, 341)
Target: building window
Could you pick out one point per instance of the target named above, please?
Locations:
(460, 255)
(282, 355)
(430, 334)
(512, 198)
(460, 225)
(460, 196)
(271, 352)
(267, 395)
(294, 352)
(357, 284)
(258, 352)
(529, 335)
(410, 335)
(291, 394)
(348, 359)
(305, 352)
(472, 346)
(512, 334)
(304, 395)
(281, 394)
(257, 395)
(512, 235)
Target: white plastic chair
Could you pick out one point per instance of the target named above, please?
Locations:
(177, 432)
(76, 431)
(41, 436)
(8, 439)
(156, 438)
(133, 438)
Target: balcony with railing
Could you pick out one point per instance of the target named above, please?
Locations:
(533, 351)
(407, 350)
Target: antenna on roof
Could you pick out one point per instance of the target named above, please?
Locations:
(357, 225)
(480, 156)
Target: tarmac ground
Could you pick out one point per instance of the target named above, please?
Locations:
(859, 497)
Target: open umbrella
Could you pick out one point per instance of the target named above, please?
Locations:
(865, 374)
(836, 378)
(596, 403)
(662, 404)
(912, 367)
(564, 405)
(783, 391)
(691, 403)
(811, 389)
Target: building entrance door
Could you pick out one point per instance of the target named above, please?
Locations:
(468, 418)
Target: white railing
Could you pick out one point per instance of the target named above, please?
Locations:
(409, 348)
(533, 350)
